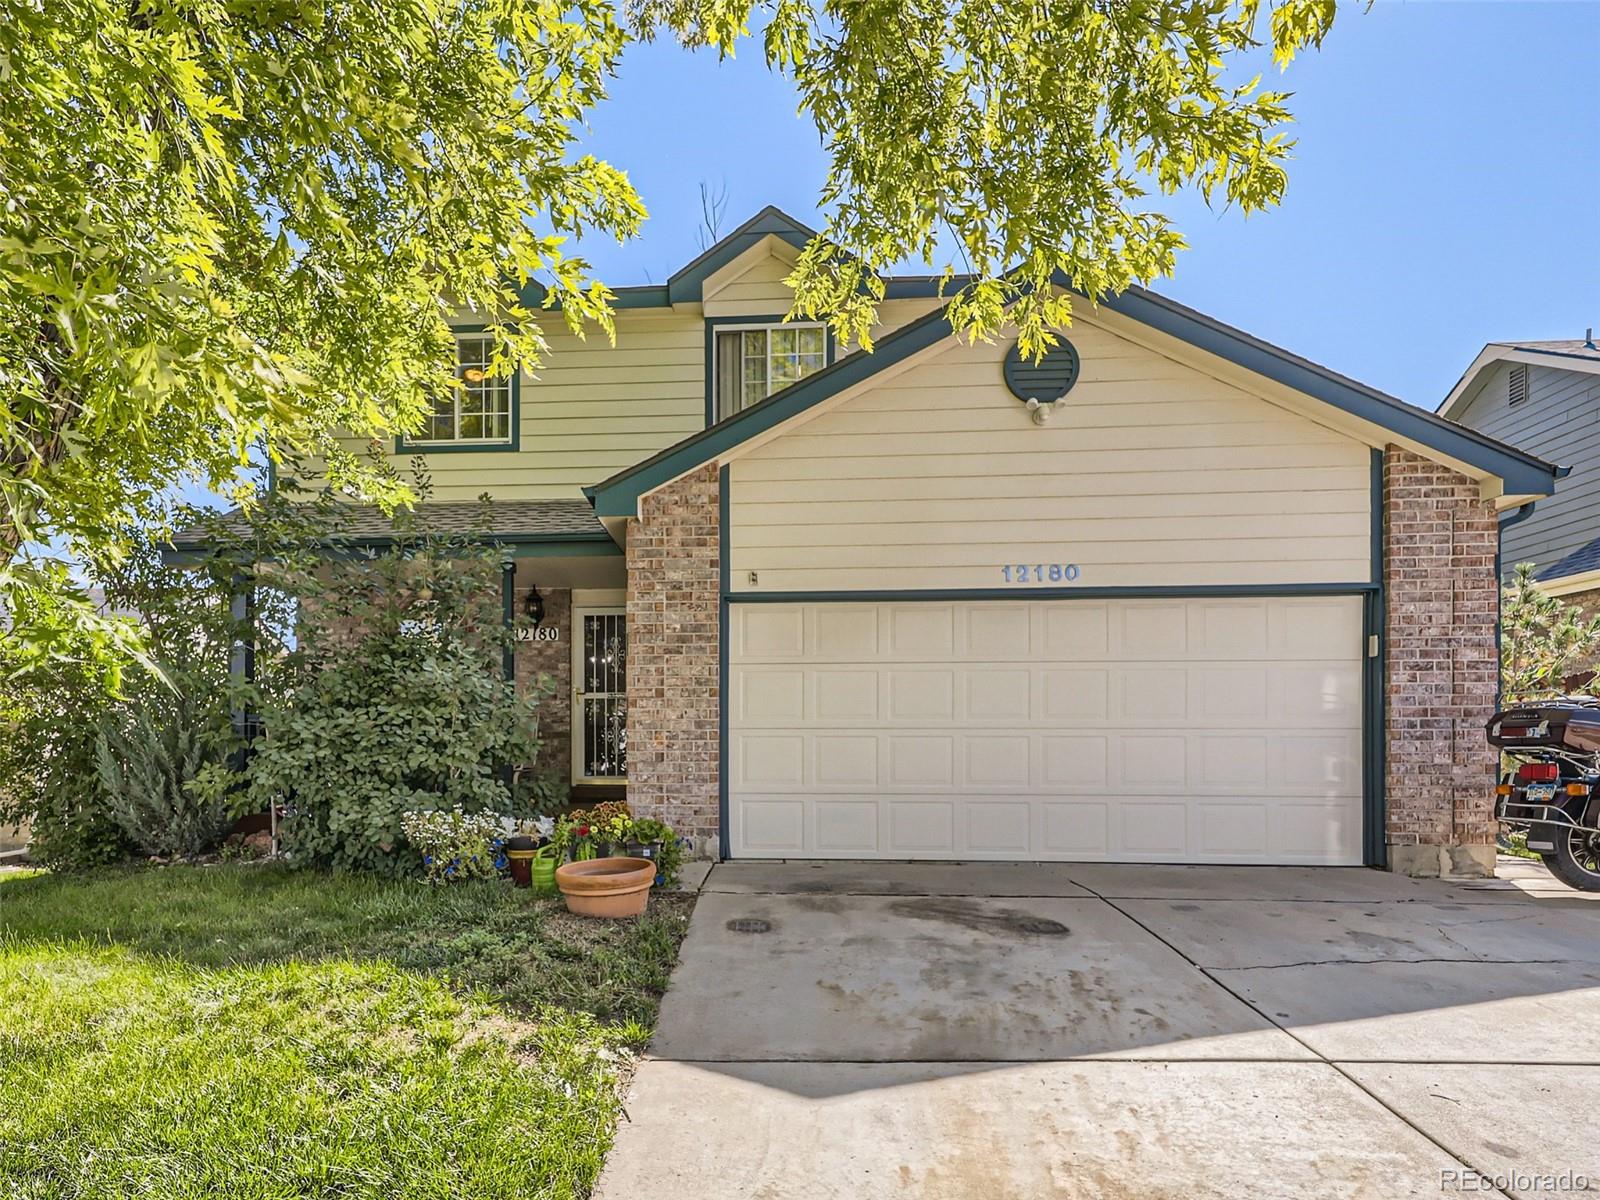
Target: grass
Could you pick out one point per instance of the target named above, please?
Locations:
(245, 1031)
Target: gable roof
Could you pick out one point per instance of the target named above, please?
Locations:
(1572, 354)
(1523, 474)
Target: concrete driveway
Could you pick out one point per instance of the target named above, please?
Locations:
(996, 1031)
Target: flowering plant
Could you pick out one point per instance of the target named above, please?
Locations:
(583, 832)
(663, 845)
(456, 844)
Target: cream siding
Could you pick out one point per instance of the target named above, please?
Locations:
(1151, 473)
(591, 409)
(750, 286)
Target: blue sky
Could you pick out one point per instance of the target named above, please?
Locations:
(1445, 190)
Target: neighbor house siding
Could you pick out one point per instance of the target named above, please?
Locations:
(1151, 473)
(1560, 422)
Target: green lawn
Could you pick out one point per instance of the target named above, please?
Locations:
(244, 1031)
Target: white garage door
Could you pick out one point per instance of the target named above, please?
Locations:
(1181, 730)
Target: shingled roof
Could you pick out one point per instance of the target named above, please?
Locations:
(509, 520)
(1579, 562)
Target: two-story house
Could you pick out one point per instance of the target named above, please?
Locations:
(1545, 398)
(1170, 594)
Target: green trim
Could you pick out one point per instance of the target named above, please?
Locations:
(723, 505)
(1024, 592)
(686, 285)
(401, 446)
(1522, 473)
(508, 617)
(619, 495)
(713, 324)
(1374, 707)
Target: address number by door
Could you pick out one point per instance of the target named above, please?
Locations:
(542, 633)
(1040, 573)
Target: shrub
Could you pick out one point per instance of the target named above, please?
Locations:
(456, 845)
(1543, 640)
(163, 780)
(396, 703)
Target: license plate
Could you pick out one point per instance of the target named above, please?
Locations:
(1541, 793)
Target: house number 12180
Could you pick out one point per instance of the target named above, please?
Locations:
(1040, 573)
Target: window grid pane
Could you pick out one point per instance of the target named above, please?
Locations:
(767, 361)
(479, 408)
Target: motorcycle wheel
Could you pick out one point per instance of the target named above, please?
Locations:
(1576, 860)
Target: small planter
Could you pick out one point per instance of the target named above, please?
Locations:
(519, 855)
(647, 850)
(606, 887)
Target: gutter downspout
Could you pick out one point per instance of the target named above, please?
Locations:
(1521, 514)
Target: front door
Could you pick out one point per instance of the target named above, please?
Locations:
(600, 695)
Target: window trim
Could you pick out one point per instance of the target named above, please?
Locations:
(404, 445)
(716, 325)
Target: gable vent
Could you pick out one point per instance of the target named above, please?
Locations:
(1517, 384)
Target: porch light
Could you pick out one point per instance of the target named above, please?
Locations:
(533, 606)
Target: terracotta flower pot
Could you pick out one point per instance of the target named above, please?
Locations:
(606, 887)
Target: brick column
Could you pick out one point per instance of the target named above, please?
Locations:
(1439, 540)
(674, 673)
(549, 664)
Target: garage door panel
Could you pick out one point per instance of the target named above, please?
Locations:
(1001, 633)
(848, 826)
(921, 760)
(842, 760)
(995, 760)
(1000, 695)
(988, 751)
(921, 826)
(769, 631)
(842, 694)
(843, 632)
(922, 632)
(1075, 694)
(921, 695)
(1074, 632)
(1151, 630)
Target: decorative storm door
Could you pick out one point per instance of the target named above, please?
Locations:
(600, 696)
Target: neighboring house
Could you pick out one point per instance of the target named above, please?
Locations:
(1204, 602)
(1544, 397)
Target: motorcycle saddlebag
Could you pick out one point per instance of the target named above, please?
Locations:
(1546, 724)
(1583, 732)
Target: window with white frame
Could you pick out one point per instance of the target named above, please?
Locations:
(752, 362)
(478, 412)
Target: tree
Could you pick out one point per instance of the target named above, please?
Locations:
(1542, 640)
(223, 224)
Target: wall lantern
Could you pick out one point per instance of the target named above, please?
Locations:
(533, 606)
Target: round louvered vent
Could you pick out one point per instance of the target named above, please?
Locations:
(1045, 380)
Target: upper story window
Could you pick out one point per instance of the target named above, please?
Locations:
(752, 362)
(479, 412)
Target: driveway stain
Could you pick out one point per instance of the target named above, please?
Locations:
(968, 914)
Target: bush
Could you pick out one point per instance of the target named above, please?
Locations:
(396, 703)
(163, 781)
(92, 804)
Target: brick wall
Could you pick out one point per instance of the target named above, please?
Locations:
(552, 662)
(1439, 542)
(673, 655)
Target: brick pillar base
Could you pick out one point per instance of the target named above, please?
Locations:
(1439, 541)
(674, 671)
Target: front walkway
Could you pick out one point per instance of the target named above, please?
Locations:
(866, 1031)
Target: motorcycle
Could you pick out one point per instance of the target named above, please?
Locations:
(1552, 786)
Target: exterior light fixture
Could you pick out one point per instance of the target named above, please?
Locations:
(533, 606)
